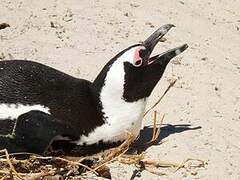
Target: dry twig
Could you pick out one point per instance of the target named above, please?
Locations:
(10, 164)
(156, 130)
(159, 100)
(69, 162)
(116, 152)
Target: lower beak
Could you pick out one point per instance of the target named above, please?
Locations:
(165, 57)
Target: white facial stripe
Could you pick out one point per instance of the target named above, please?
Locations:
(12, 111)
(121, 116)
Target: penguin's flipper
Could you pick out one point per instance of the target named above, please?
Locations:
(35, 131)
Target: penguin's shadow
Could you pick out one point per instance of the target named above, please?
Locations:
(145, 136)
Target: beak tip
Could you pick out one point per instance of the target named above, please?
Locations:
(180, 49)
(164, 29)
(167, 27)
(172, 25)
(185, 46)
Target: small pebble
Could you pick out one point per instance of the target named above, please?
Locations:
(52, 25)
(204, 58)
(4, 25)
(176, 62)
(194, 173)
(181, 2)
(134, 5)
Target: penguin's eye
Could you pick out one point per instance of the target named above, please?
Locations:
(137, 60)
(137, 63)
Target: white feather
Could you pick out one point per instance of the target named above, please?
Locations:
(12, 111)
(121, 116)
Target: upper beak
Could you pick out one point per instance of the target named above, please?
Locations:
(152, 41)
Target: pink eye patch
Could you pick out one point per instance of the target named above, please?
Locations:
(137, 60)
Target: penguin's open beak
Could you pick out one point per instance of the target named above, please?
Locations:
(152, 41)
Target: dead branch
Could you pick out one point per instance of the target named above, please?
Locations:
(159, 100)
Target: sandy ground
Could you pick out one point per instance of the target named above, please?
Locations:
(79, 37)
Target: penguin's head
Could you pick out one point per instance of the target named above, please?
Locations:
(132, 73)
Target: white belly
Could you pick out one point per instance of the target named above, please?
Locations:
(120, 118)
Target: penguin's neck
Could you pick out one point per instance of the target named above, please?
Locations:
(120, 116)
(117, 111)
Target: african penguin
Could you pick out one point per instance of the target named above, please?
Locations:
(39, 104)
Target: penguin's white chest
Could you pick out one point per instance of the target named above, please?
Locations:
(120, 116)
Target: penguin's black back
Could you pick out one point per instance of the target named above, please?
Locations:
(69, 99)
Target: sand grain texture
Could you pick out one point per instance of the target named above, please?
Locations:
(79, 37)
